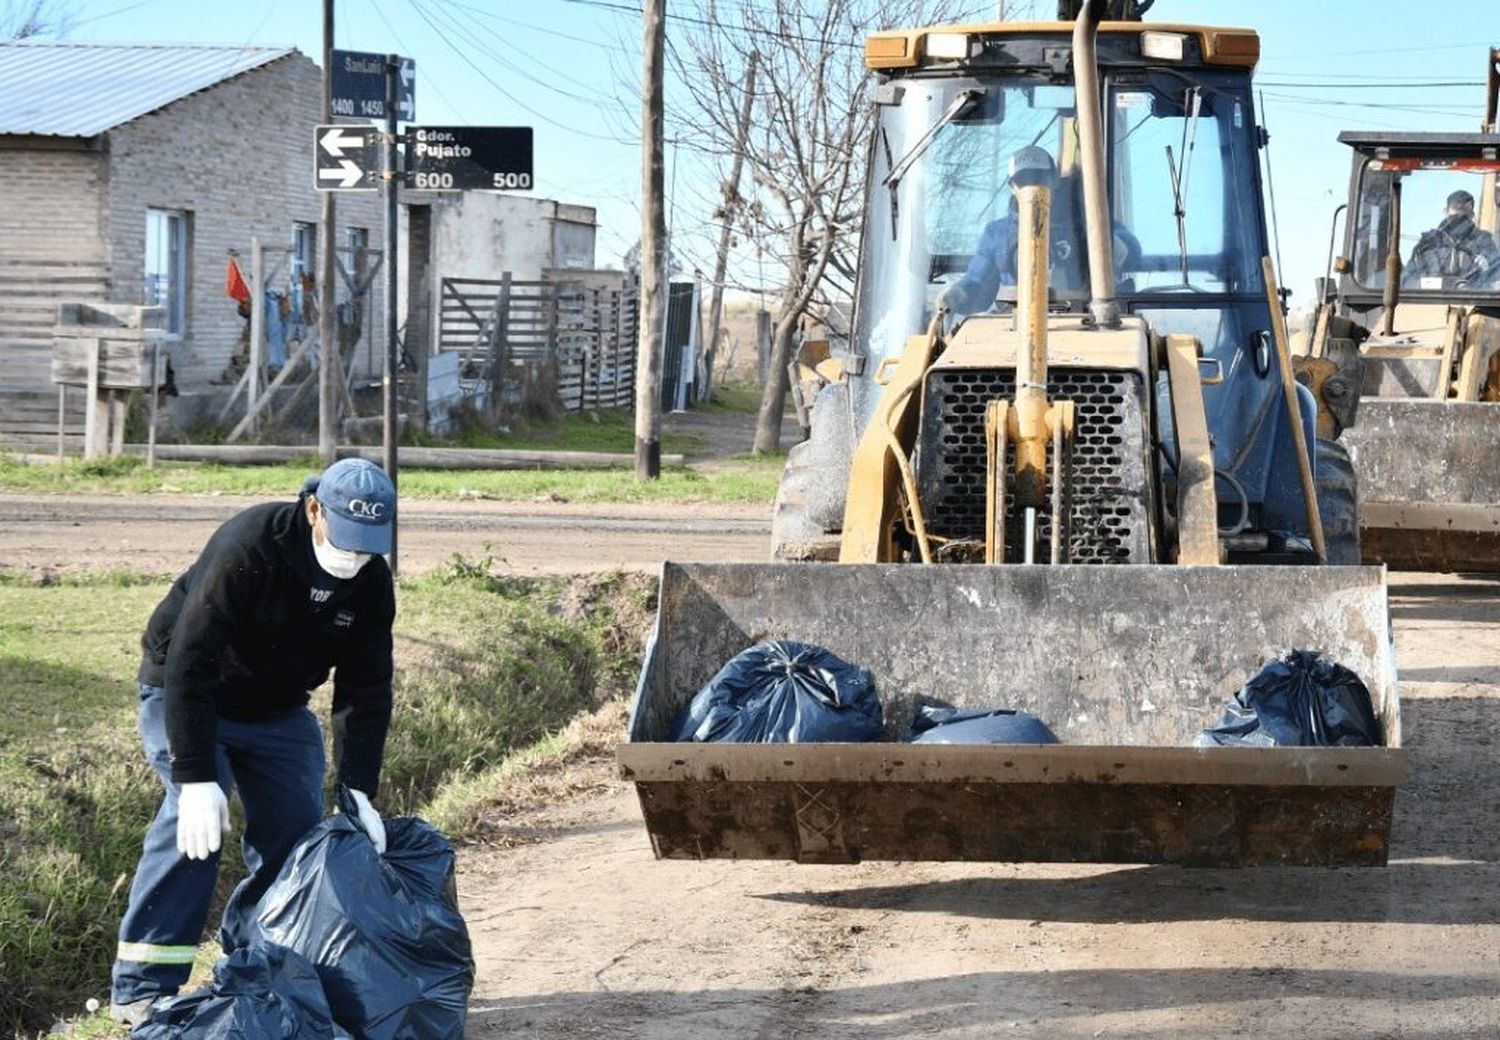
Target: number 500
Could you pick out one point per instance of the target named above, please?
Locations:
(512, 180)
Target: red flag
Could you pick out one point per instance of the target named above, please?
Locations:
(234, 283)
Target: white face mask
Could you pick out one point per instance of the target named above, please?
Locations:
(339, 563)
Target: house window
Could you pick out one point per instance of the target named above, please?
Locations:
(166, 266)
(304, 248)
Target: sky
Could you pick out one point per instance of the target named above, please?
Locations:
(569, 69)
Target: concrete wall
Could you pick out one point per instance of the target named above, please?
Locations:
(238, 158)
(479, 234)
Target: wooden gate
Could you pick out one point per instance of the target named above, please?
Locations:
(501, 328)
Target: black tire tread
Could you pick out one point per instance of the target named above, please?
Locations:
(1338, 502)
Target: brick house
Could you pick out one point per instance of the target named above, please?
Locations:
(131, 172)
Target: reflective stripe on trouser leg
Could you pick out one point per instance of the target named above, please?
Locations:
(170, 894)
(150, 953)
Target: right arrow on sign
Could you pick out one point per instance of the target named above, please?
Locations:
(336, 140)
(347, 174)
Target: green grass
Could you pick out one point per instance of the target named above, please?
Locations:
(607, 430)
(486, 666)
(742, 480)
(737, 398)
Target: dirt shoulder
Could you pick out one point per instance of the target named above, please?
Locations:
(163, 534)
(583, 934)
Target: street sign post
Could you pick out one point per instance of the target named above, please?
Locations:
(346, 158)
(359, 86)
(455, 158)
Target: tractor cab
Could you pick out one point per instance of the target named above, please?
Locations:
(965, 113)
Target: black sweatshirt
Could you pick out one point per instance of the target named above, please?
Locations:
(254, 625)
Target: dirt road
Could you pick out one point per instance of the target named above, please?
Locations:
(163, 534)
(579, 933)
(585, 935)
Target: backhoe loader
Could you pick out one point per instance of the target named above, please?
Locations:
(1063, 468)
(1409, 338)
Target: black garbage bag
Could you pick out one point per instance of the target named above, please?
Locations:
(260, 990)
(782, 691)
(383, 932)
(935, 725)
(1302, 700)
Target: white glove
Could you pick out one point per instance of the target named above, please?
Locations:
(202, 819)
(370, 820)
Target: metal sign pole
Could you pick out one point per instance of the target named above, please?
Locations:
(390, 174)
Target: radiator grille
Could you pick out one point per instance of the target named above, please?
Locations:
(1110, 519)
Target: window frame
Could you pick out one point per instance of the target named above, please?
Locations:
(175, 238)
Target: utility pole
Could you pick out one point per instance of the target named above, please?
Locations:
(329, 369)
(721, 260)
(390, 176)
(653, 239)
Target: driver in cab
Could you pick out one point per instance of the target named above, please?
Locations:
(994, 261)
(1456, 251)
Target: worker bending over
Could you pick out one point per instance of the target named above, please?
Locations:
(281, 594)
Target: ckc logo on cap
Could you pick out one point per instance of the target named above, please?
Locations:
(372, 510)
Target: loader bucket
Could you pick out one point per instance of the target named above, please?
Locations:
(1429, 489)
(1126, 664)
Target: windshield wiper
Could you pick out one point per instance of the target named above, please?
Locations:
(1192, 104)
(961, 101)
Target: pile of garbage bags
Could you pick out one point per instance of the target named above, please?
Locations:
(260, 990)
(348, 943)
(784, 691)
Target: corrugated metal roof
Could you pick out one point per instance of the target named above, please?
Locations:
(81, 89)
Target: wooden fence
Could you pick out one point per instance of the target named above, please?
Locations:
(506, 331)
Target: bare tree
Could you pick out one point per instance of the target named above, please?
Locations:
(25, 19)
(806, 154)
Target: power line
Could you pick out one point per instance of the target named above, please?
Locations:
(1469, 84)
(111, 14)
(1325, 55)
(785, 37)
(486, 13)
(456, 24)
(501, 90)
(1435, 110)
(402, 44)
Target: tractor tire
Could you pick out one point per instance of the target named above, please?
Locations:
(809, 508)
(1338, 503)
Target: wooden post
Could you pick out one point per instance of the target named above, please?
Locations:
(62, 410)
(329, 369)
(257, 321)
(653, 242)
(94, 415)
(155, 392)
(499, 330)
(726, 233)
(116, 423)
(597, 347)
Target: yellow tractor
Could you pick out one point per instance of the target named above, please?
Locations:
(1409, 338)
(1063, 468)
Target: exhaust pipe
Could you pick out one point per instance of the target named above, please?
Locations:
(1102, 303)
(1391, 293)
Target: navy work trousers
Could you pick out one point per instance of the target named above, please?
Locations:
(277, 768)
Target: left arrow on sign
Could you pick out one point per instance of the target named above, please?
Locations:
(348, 174)
(336, 140)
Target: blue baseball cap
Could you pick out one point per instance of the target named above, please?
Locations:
(359, 503)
